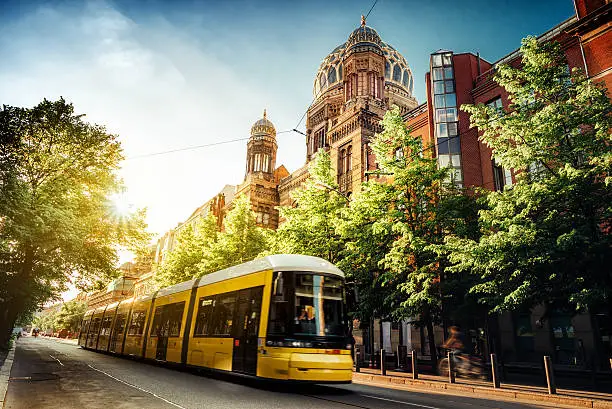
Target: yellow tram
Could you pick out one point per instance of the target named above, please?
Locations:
(279, 317)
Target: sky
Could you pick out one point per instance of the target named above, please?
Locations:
(165, 75)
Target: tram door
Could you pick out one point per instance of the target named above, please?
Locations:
(117, 333)
(245, 330)
(161, 316)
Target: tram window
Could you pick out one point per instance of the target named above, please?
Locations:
(223, 314)
(95, 326)
(203, 318)
(156, 327)
(312, 305)
(106, 325)
(119, 324)
(175, 318)
(137, 323)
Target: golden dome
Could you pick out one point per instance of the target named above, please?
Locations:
(263, 126)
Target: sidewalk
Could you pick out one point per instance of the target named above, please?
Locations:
(6, 363)
(433, 383)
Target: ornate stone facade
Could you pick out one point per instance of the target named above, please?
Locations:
(261, 177)
(356, 84)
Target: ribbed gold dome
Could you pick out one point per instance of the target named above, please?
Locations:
(263, 126)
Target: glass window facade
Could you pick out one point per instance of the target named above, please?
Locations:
(446, 115)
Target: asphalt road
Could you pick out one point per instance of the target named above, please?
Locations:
(51, 374)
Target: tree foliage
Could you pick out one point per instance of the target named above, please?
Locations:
(56, 220)
(202, 249)
(70, 315)
(547, 239)
(394, 225)
(193, 245)
(241, 241)
(311, 227)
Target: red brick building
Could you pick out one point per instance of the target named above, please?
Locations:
(456, 79)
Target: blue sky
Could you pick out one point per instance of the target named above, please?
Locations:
(166, 75)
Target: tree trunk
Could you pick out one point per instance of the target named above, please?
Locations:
(18, 298)
(6, 325)
(430, 338)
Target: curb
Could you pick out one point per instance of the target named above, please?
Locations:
(479, 391)
(5, 372)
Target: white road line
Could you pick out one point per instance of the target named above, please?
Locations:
(399, 401)
(137, 387)
(60, 362)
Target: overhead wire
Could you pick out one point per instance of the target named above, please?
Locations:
(193, 147)
(294, 129)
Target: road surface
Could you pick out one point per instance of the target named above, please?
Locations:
(51, 374)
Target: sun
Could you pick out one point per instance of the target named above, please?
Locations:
(121, 206)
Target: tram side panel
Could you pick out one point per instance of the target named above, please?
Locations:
(94, 328)
(165, 336)
(271, 362)
(136, 328)
(105, 327)
(85, 328)
(211, 344)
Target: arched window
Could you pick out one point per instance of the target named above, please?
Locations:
(322, 81)
(341, 159)
(331, 75)
(410, 85)
(397, 73)
(387, 70)
(405, 79)
(340, 72)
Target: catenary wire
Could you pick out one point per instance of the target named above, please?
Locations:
(371, 8)
(187, 148)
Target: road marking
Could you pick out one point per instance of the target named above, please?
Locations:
(139, 388)
(399, 401)
(60, 362)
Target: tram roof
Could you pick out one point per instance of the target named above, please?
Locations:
(277, 262)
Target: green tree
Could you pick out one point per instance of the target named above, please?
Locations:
(70, 315)
(311, 227)
(46, 320)
(194, 245)
(241, 241)
(547, 239)
(395, 225)
(56, 220)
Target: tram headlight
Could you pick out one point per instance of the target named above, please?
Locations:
(289, 344)
(349, 346)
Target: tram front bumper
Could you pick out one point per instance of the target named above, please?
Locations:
(321, 367)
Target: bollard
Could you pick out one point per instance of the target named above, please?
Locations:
(550, 376)
(495, 372)
(415, 366)
(451, 372)
(357, 359)
(399, 361)
(383, 366)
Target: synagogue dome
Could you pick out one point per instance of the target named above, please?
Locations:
(397, 70)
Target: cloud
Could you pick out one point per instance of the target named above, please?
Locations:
(152, 82)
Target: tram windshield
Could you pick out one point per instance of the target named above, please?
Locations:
(306, 305)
